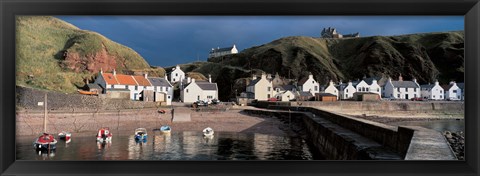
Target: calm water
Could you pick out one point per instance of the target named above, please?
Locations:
(437, 125)
(175, 146)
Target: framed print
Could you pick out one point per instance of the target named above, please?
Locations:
(239, 87)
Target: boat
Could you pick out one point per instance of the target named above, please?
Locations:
(141, 134)
(88, 92)
(104, 135)
(165, 129)
(208, 132)
(65, 136)
(46, 142)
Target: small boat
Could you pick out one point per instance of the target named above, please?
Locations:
(141, 134)
(88, 92)
(45, 142)
(65, 136)
(104, 135)
(165, 129)
(208, 132)
(161, 111)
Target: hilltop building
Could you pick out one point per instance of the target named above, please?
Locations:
(332, 33)
(222, 51)
(177, 74)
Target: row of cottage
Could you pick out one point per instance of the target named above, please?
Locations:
(266, 88)
(156, 89)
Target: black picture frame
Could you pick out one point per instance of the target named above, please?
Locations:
(10, 8)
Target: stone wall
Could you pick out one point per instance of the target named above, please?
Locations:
(27, 98)
(384, 105)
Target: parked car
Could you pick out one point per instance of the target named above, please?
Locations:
(215, 101)
(199, 103)
(417, 99)
(272, 99)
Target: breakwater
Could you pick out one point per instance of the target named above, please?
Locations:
(340, 137)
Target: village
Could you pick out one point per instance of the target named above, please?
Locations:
(266, 87)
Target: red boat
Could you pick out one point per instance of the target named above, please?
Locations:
(104, 135)
(65, 136)
(45, 142)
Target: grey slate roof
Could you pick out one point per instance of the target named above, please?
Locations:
(305, 94)
(253, 82)
(302, 81)
(404, 84)
(205, 85)
(289, 87)
(461, 85)
(159, 82)
(94, 86)
(221, 49)
(427, 86)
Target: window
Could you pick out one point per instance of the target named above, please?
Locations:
(167, 88)
(111, 86)
(168, 97)
(186, 90)
(434, 96)
(414, 89)
(316, 88)
(441, 91)
(126, 86)
(269, 88)
(198, 97)
(454, 91)
(398, 89)
(313, 82)
(367, 89)
(173, 79)
(176, 74)
(144, 87)
(441, 96)
(346, 90)
(268, 95)
(398, 96)
(378, 90)
(136, 87)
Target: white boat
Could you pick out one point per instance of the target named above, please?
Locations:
(141, 134)
(165, 129)
(67, 136)
(208, 132)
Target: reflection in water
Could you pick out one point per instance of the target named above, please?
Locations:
(186, 145)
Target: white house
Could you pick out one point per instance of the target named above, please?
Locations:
(131, 84)
(331, 88)
(432, 91)
(262, 88)
(402, 89)
(161, 85)
(177, 74)
(285, 95)
(199, 90)
(309, 85)
(373, 85)
(222, 51)
(346, 90)
(452, 91)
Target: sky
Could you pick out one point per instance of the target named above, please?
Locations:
(170, 40)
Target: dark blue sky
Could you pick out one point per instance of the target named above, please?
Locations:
(170, 40)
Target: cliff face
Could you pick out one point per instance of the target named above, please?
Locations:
(55, 55)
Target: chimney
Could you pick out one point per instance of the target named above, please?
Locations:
(400, 78)
(166, 78)
(374, 81)
(331, 82)
(350, 83)
(254, 77)
(269, 76)
(189, 79)
(145, 75)
(340, 82)
(436, 82)
(264, 76)
(414, 80)
(114, 72)
(452, 82)
(101, 70)
(209, 78)
(193, 80)
(310, 76)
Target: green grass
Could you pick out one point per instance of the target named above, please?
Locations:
(41, 42)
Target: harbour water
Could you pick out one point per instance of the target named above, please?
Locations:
(188, 145)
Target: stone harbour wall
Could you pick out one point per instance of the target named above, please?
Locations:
(27, 98)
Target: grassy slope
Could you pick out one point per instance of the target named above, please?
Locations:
(40, 42)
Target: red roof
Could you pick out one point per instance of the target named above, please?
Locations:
(125, 79)
(142, 81)
(109, 78)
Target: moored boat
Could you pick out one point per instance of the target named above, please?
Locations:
(165, 129)
(104, 135)
(208, 132)
(67, 136)
(45, 142)
(141, 134)
(87, 92)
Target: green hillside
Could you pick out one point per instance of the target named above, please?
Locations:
(55, 55)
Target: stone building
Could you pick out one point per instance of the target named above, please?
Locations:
(332, 33)
(222, 51)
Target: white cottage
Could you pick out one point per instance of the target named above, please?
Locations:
(262, 88)
(432, 91)
(402, 89)
(130, 84)
(199, 90)
(162, 88)
(285, 96)
(177, 75)
(332, 89)
(452, 91)
(346, 90)
(373, 85)
(216, 52)
(309, 85)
